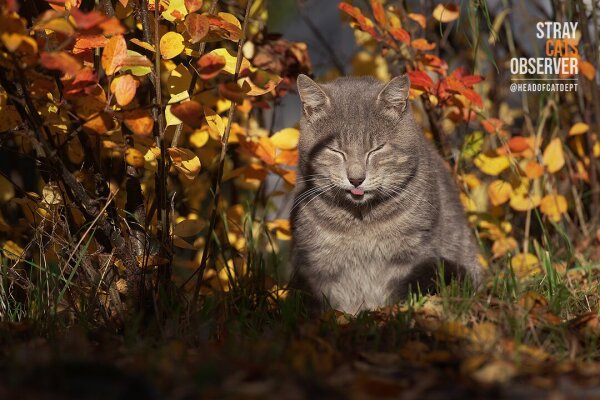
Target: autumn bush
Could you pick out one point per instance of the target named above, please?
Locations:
(138, 154)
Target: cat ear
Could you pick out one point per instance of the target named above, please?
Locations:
(395, 93)
(314, 100)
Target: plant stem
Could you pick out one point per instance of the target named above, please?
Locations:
(217, 185)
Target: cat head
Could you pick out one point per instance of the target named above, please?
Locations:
(358, 141)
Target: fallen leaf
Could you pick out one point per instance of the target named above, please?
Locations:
(499, 192)
(491, 165)
(554, 205)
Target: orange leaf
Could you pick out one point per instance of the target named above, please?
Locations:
(419, 19)
(378, 12)
(86, 42)
(59, 60)
(401, 35)
(139, 121)
(587, 69)
(364, 23)
(114, 54)
(499, 192)
(518, 144)
(422, 44)
(533, 170)
(124, 88)
(98, 124)
(494, 126)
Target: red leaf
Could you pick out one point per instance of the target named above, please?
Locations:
(365, 23)
(59, 60)
(457, 86)
(190, 112)
(224, 29)
(86, 42)
(87, 21)
(401, 35)
(193, 5)
(492, 125)
(210, 65)
(420, 79)
(518, 144)
(378, 12)
(197, 26)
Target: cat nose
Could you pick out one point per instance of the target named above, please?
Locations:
(356, 181)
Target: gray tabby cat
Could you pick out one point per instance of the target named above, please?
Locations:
(375, 211)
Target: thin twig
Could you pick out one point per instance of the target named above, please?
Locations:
(217, 186)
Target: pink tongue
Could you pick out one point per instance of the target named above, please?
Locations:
(357, 192)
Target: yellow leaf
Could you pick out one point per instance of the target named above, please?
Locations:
(185, 161)
(524, 264)
(499, 192)
(175, 12)
(171, 45)
(230, 60)
(281, 228)
(134, 157)
(471, 180)
(216, 126)
(579, 128)
(170, 118)
(503, 245)
(554, 158)
(553, 206)
(491, 165)
(286, 139)
(524, 202)
(446, 12)
(51, 194)
(199, 138)
(12, 250)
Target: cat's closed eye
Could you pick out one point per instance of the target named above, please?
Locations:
(374, 150)
(333, 150)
